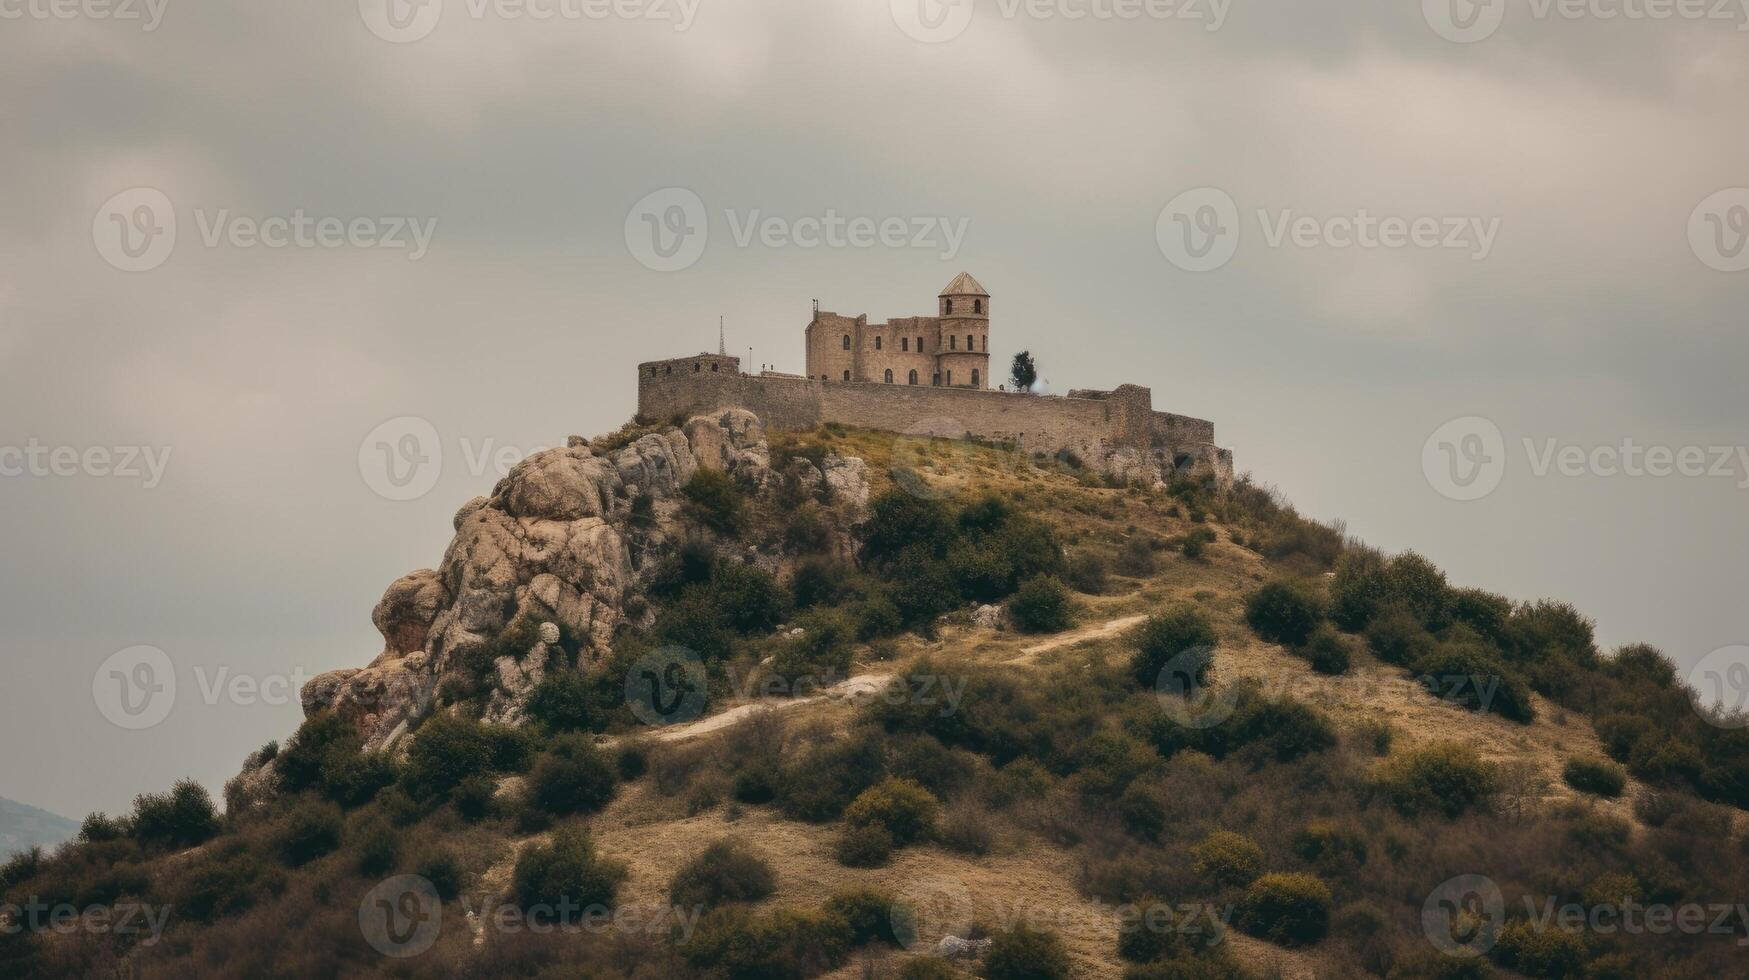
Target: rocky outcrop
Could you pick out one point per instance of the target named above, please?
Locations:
(562, 540)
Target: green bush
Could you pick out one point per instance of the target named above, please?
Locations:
(868, 912)
(572, 776)
(310, 830)
(1418, 586)
(1182, 637)
(867, 846)
(750, 599)
(1284, 611)
(181, 818)
(903, 808)
(1469, 676)
(1589, 774)
(737, 943)
(441, 868)
(820, 582)
(1087, 574)
(378, 847)
(473, 797)
(1287, 909)
(1023, 953)
(354, 778)
(921, 589)
(820, 783)
(1259, 729)
(1397, 637)
(822, 651)
(1041, 606)
(899, 521)
(713, 500)
(1135, 558)
(1330, 845)
(226, 883)
(1195, 544)
(300, 763)
(1444, 778)
(569, 701)
(1325, 651)
(446, 749)
(726, 871)
(1227, 858)
(565, 873)
(1552, 953)
(1545, 628)
(878, 617)
(1358, 590)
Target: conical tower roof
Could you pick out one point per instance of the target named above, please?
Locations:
(964, 285)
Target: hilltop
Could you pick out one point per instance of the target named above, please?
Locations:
(23, 827)
(832, 703)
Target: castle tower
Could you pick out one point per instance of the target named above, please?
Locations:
(963, 356)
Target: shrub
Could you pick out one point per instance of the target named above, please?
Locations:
(1329, 844)
(1544, 628)
(903, 808)
(1288, 909)
(98, 828)
(713, 500)
(868, 913)
(473, 797)
(572, 776)
(736, 943)
(1195, 544)
(805, 528)
(446, 750)
(966, 829)
(1181, 637)
(1041, 606)
(1589, 774)
(1325, 651)
(379, 847)
(311, 830)
(930, 968)
(922, 589)
(864, 847)
(441, 868)
(300, 762)
(565, 873)
(1227, 858)
(1444, 777)
(820, 582)
(181, 818)
(726, 871)
(818, 785)
(354, 778)
(1135, 558)
(224, 884)
(877, 618)
(567, 701)
(939, 769)
(749, 598)
(1540, 952)
(821, 652)
(1087, 574)
(1469, 676)
(1023, 953)
(899, 521)
(1397, 637)
(1417, 585)
(1284, 611)
(1358, 589)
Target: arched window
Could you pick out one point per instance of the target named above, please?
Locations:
(948, 307)
(919, 345)
(877, 343)
(889, 375)
(969, 344)
(953, 342)
(977, 306)
(913, 375)
(905, 343)
(847, 375)
(936, 379)
(846, 341)
(668, 370)
(974, 377)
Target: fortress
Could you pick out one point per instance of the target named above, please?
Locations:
(930, 376)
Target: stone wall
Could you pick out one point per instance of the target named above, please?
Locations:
(1093, 424)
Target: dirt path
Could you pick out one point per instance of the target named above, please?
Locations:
(1098, 631)
(862, 685)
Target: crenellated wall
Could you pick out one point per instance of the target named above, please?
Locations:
(1089, 423)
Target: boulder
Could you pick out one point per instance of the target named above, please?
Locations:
(404, 614)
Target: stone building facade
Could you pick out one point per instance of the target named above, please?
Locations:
(948, 350)
(892, 385)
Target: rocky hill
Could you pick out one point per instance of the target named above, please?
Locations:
(23, 827)
(691, 701)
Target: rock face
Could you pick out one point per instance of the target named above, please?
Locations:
(555, 542)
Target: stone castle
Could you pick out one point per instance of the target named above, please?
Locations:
(930, 376)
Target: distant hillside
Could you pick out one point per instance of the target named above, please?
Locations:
(23, 827)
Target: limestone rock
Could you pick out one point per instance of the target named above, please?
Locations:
(990, 617)
(404, 614)
(848, 478)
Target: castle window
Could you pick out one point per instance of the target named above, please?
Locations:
(913, 375)
(953, 342)
(713, 368)
(889, 375)
(977, 306)
(986, 342)
(969, 344)
(847, 375)
(668, 370)
(847, 343)
(904, 343)
(949, 307)
(936, 379)
(950, 378)
(974, 377)
(877, 343)
(694, 367)
(919, 345)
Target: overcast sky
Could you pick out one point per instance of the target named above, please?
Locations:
(1572, 164)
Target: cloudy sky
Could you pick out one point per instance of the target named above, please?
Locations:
(476, 210)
